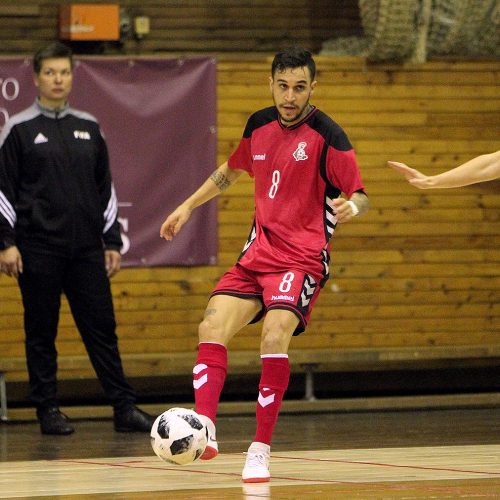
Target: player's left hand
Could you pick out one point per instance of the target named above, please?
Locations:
(343, 210)
(113, 261)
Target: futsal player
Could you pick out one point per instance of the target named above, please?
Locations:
(302, 161)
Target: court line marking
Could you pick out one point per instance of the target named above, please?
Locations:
(392, 482)
(196, 471)
(380, 464)
(136, 464)
(391, 485)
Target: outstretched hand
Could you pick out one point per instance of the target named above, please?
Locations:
(413, 176)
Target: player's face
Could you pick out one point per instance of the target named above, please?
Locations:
(291, 90)
(54, 82)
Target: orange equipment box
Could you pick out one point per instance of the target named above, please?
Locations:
(79, 21)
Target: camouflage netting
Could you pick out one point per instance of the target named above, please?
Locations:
(415, 30)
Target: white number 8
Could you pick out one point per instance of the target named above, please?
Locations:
(286, 282)
(274, 185)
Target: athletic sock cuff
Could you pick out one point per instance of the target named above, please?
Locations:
(213, 355)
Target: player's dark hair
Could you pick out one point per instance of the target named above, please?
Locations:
(51, 51)
(293, 57)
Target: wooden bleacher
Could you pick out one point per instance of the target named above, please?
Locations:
(415, 281)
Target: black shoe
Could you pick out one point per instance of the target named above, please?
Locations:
(52, 421)
(133, 420)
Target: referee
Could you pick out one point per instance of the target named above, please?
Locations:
(59, 233)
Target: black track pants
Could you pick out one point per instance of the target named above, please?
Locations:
(81, 276)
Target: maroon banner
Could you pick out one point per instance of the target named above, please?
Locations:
(159, 120)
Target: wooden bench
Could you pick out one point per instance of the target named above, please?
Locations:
(307, 361)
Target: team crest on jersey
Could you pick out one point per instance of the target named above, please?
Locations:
(300, 153)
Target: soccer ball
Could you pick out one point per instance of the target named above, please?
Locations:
(179, 436)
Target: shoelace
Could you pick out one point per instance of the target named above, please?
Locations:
(256, 460)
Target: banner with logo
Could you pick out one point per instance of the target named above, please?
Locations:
(159, 119)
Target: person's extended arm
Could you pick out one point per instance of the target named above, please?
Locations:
(219, 181)
(480, 169)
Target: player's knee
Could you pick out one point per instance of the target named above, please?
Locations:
(274, 340)
(210, 331)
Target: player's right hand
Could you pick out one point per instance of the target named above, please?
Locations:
(11, 262)
(174, 222)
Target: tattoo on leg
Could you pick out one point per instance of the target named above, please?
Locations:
(220, 180)
(210, 312)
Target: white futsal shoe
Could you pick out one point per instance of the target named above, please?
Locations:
(256, 468)
(212, 449)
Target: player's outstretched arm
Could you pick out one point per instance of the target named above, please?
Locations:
(480, 169)
(219, 181)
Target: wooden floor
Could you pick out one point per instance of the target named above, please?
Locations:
(405, 454)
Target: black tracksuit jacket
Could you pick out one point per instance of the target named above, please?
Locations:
(55, 181)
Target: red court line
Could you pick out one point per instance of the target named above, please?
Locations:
(356, 462)
(195, 471)
(373, 485)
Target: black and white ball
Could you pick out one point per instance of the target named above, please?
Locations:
(179, 436)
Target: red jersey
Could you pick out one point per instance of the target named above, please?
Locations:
(298, 171)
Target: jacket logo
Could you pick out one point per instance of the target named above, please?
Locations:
(81, 134)
(299, 153)
(259, 157)
(40, 138)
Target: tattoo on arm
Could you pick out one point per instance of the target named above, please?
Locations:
(220, 180)
(361, 201)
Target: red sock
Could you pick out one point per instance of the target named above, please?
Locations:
(273, 384)
(209, 375)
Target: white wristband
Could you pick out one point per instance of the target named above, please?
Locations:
(354, 208)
